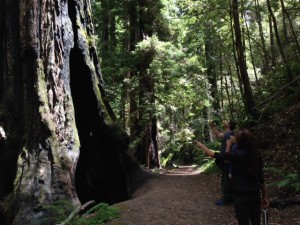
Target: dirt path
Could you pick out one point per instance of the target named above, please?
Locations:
(183, 197)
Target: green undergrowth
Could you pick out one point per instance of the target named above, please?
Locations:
(209, 167)
(99, 214)
(287, 182)
(186, 153)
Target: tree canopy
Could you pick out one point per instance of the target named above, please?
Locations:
(206, 60)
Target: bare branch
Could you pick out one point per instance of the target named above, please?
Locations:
(274, 95)
(76, 211)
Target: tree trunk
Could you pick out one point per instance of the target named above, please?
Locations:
(251, 55)
(284, 23)
(58, 124)
(235, 52)
(295, 38)
(266, 60)
(105, 29)
(142, 119)
(248, 95)
(133, 30)
(112, 26)
(211, 72)
(279, 42)
(272, 43)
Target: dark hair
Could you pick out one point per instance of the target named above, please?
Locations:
(232, 124)
(245, 140)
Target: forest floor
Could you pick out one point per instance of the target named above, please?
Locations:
(182, 196)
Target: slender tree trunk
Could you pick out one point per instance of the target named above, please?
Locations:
(221, 78)
(125, 116)
(147, 120)
(133, 30)
(272, 42)
(234, 91)
(105, 30)
(234, 52)
(295, 38)
(124, 109)
(284, 23)
(211, 66)
(279, 43)
(59, 125)
(251, 55)
(248, 95)
(112, 26)
(227, 88)
(266, 63)
(294, 35)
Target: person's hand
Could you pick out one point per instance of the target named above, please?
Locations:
(265, 203)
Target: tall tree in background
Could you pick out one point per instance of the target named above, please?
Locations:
(266, 57)
(147, 149)
(58, 123)
(279, 42)
(293, 37)
(240, 50)
(211, 60)
(137, 18)
(133, 40)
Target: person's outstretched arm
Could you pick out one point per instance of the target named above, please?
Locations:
(208, 151)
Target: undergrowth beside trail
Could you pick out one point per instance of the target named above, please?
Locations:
(60, 212)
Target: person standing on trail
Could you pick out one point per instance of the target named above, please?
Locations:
(225, 138)
(247, 184)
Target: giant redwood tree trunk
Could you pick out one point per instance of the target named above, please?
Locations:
(61, 142)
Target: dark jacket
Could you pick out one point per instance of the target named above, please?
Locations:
(244, 179)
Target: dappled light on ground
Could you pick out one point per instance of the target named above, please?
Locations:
(181, 170)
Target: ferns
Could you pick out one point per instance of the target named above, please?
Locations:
(288, 182)
(98, 215)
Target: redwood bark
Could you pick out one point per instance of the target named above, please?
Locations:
(53, 109)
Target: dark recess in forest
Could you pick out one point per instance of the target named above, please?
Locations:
(99, 173)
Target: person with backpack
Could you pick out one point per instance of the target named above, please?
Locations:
(225, 136)
(247, 183)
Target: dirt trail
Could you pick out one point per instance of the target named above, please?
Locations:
(182, 196)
